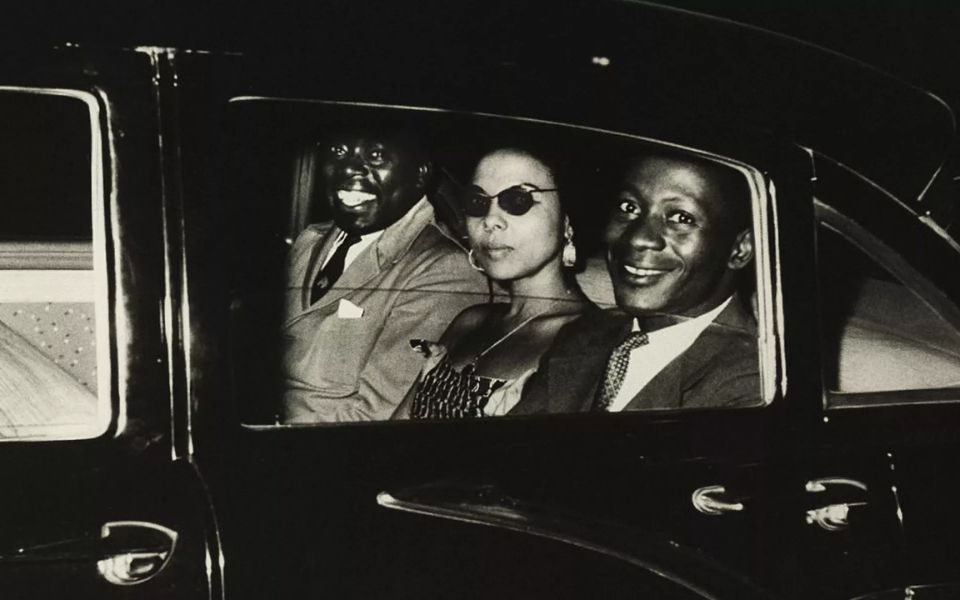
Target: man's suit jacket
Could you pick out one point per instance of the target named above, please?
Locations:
(719, 369)
(348, 356)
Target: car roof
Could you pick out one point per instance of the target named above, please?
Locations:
(605, 64)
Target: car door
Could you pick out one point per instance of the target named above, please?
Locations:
(298, 506)
(889, 327)
(100, 499)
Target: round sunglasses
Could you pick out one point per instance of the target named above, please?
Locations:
(516, 200)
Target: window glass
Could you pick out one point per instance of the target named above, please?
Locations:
(45, 186)
(51, 346)
(879, 335)
(397, 263)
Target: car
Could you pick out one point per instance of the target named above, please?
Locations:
(152, 196)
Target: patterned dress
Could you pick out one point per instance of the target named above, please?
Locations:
(445, 393)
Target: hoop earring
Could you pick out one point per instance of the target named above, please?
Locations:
(473, 263)
(569, 255)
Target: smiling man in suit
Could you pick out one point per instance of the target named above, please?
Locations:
(361, 287)
(678, 239)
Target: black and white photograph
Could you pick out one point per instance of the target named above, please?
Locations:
(477, 299)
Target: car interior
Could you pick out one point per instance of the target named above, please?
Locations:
(48, 310)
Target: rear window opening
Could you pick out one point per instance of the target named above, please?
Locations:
(334, 300)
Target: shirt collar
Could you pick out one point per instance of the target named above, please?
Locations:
(365, 239)
(693, 326)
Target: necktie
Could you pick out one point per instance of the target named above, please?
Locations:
(332, 271)
(617, 369)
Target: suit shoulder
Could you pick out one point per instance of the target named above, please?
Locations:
(431, 240)
(314, 231)
(733, 344)
(594, 317)
(433, 261)
(722, 351)
(432, 249)
(730, 373)
(309, 237)
(594, 323)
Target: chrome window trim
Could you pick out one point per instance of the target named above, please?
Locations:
(101, 297)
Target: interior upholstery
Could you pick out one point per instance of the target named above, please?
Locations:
(65, 332)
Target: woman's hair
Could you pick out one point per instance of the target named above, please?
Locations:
(552, 160)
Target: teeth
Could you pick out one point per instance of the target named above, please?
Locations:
(354, 198)
(642, 272)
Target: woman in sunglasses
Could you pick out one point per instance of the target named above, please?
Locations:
(521, 238)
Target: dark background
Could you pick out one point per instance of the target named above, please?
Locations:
(917, 40)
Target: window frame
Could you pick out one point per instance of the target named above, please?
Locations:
(767, 274)
(931, 296)
(108, 410)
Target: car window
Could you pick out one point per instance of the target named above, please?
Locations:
(395, 263)
(880, 332)
(51, 326)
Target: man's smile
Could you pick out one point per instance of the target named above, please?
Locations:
(639, 272)
(643, 272)
(354, 198)
(638, 276)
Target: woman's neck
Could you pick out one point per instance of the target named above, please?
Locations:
(539, 293)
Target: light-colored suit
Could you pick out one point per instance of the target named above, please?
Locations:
(348, 356)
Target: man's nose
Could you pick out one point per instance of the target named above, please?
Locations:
(354, 164)
(645, 233)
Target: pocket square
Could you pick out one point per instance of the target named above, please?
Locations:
(349, 310)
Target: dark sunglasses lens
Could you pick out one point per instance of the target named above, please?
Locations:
(516, 201)
(476, 204)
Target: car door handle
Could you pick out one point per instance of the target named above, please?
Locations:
(706, 500)
(147, 550)
(821, 484)
(833, 517)
(126, 553)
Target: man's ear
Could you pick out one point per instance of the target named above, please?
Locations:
(423, 175)
(742, 250)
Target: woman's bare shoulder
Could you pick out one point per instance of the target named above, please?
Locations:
(566, 313)
(546, 327)
(469, 319)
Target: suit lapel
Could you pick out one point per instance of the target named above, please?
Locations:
(318, 254)
(667, 388)
(361, 271)
(664, 390)
(699, 358)
(576, 373)
(387, 250)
